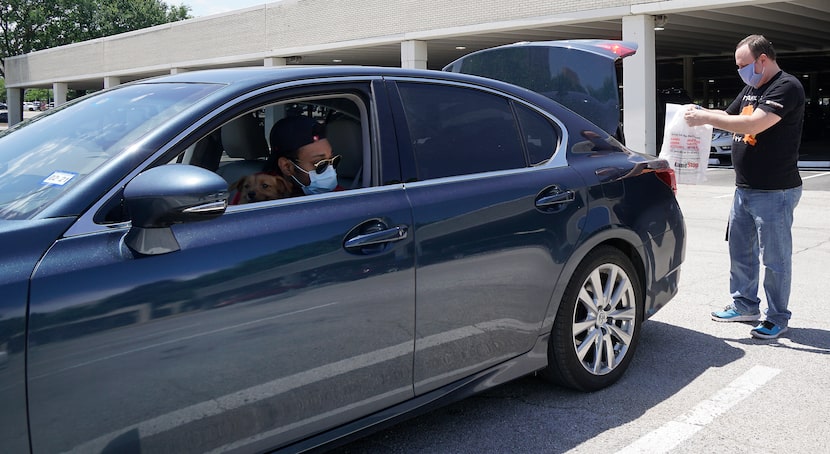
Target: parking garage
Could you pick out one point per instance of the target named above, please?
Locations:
(683, 46)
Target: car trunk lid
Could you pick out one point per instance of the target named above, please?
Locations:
(582, 75)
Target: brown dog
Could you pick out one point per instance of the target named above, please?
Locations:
(259, 187)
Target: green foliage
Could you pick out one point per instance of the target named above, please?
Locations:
(30, 25)
(38, 94)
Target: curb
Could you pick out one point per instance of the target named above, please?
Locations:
(814, 164)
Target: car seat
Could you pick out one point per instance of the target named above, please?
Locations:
(207, 152)
(243, 138)
(346, 138)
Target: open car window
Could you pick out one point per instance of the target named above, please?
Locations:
(239, 147)
(240, 150)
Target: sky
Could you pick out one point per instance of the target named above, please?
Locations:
(199, 8)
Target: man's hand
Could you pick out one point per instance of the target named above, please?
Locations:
(696, 115)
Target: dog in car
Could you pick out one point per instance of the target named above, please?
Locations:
(259, 187)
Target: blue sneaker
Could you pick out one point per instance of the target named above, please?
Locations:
(768, 330)
(729, 314)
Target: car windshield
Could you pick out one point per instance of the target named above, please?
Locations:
(42, 159)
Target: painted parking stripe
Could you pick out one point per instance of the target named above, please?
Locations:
(684, 427)
(823, 174)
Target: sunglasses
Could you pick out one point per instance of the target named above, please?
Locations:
(323, 164)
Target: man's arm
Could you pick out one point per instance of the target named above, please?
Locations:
(759, 121)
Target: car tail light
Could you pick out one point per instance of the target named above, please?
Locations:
(618, 49)
(667, 176)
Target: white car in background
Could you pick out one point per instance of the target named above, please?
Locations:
(721, 148)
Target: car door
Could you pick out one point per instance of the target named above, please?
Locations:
(491, 231)
(23, 242)
(271, 323)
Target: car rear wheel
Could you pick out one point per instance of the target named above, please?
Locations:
(598, 322)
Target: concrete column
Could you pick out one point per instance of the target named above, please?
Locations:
(639, 85)
(689, 76)
(813, 93)
(111, 81)
(414, 54)
(59, 90)
(14, 98)
(707, 96)
(274, 61)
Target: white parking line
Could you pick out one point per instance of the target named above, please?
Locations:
(675, 432)
(823, 174)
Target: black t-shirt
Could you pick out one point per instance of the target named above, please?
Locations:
(769, 160)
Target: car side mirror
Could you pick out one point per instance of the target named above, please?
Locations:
(166, 195)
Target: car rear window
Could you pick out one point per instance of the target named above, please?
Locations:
(540, 137)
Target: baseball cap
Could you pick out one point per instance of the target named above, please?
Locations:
(291, 133)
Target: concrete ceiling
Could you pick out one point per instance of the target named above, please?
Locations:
(799, 28)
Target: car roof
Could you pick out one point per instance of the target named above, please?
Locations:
(262, 75)
(245, 79)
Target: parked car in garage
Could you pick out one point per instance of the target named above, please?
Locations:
(721, 148)
(142, 313)
(4, 117)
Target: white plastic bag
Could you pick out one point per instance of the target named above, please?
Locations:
(685, 147)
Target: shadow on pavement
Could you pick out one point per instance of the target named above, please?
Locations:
(801, 339)
(529, 415)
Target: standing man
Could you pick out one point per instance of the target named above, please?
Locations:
(766, 120)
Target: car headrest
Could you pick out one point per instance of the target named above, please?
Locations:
(244, 138)
(346, 139)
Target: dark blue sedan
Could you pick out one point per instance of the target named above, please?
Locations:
(479, 232)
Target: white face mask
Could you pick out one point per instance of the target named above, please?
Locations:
(319, 183)
(749, 76)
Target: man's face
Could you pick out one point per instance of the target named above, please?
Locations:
(743, 56)
(308, 156)
(752, 70)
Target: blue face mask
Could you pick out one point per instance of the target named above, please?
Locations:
(320, 183)
(749, 76)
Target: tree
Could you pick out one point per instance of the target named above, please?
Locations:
(30, 25)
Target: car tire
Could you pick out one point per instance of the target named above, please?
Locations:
(592, 327)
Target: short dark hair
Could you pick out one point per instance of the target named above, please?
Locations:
(758, 45)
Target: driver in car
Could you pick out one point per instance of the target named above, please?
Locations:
(301, 152)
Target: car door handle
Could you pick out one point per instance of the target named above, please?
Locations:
(389, 235)
(555, 197)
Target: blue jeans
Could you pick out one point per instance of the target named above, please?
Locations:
(760, 226)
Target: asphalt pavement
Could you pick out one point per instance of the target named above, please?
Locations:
(26, 114)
